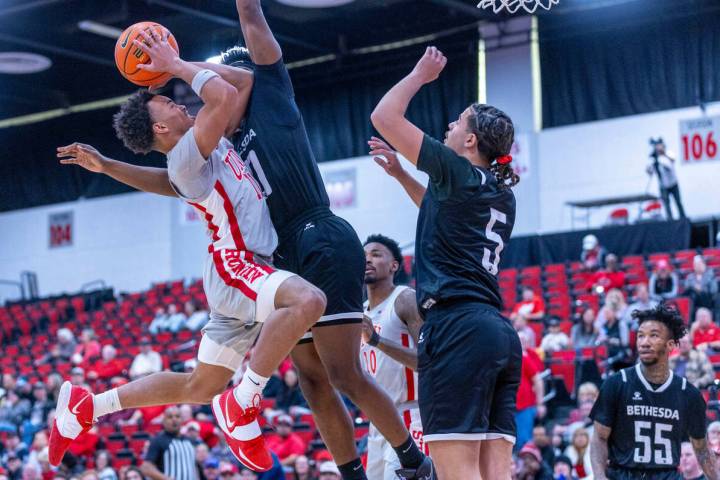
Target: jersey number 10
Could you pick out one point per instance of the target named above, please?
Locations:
(660, 448)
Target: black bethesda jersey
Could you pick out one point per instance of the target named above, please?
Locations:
(273, 142)
(648, 422)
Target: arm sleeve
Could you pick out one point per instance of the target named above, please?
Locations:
(273, 97)
(448, 171)
(696, 414)
(189, 172)
(604, 410)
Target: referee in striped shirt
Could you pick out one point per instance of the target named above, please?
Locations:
(170, 455)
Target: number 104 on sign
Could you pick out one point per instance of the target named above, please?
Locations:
(698, 140)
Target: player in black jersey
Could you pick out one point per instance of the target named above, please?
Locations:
(469, 356)
(645, 412)
(320, 247)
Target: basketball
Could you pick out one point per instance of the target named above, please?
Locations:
(128, 56)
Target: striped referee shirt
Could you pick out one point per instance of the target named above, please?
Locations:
(174, 455)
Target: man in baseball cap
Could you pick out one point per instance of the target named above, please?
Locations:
(329, 471)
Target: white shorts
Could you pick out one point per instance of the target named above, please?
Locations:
(240, 291)
(382, 461)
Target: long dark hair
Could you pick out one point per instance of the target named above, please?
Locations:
(495, 134)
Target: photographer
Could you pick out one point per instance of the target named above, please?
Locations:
(663, 165)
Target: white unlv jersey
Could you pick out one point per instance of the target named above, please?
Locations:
(226, 195)
(398, 381)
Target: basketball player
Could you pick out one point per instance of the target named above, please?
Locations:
(320, 247)
(645, 412)
(469, 356)
(243, 290)
(390, 332)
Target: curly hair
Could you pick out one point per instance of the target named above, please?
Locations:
(237, 56)
(665, 314)
(133, 124)
(495, 134)
(389, 243)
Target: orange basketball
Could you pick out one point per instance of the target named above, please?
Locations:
(128, 56)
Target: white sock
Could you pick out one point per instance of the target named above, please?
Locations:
(106, 402)
(252, 384)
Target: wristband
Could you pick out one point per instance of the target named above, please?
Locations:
(200, 79)
(374, 339)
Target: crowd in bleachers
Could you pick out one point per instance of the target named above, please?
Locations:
(574, 320)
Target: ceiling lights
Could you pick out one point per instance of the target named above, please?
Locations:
(315, 3)
(23, 62)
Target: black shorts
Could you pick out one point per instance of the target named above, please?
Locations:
(326, 252)
(614, 473)
(469, 365)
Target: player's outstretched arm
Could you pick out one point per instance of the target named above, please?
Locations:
(146, 179)
(389, 115)
(599, 450)
(214, 117)
(406, 356)
(386, 157)
(708, 460)
(264, 49)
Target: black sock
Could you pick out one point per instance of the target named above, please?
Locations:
(352, 470)
(409, 454)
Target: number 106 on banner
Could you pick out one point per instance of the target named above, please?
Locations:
(698, 139)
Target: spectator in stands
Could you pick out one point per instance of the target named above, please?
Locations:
(713, 431)
(38, 413)
(701, 285)
(14, 447)
(579, 453)
(211, 469)
(53, 382)
(531, 307)
(228, 471)
(247, 474)
(663, 282)
(593, 254)
(689, 466)
(88, 349)
(107, 367)
(609, 277)
(132, 473)
(692, 364)
(530, 393)
(555, 339)
(614, 300)
(542, 441)
(160, 322)
(530, 464)
(146, 362)
(642, 302)
(329, 471)
(616, 336)
(202, 453)
(705, 334)
(63, 350)
(31, 472)
(290, 394)
(287, 445)
(563, 469)
(77, 377)
(521, 326)
(586, 395)
(103, 466)
(14, 466)
(175, 319)
(169, 452)
(196, 319)
(301, 468)
(584, 333)
(13, 410)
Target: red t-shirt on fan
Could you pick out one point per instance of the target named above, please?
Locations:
(712, 334)
(531, 366)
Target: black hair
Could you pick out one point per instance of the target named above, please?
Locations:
(389, 243)
(133, 123)
(237, 56)
(495, 135)
(665, 314)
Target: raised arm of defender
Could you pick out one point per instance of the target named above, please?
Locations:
(264, 49)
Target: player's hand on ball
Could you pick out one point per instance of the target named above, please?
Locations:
(367, 328)
(83, 155)
(385, 157)
(163, 57)
(430, 65)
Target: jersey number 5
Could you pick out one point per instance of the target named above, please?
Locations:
(492, 266)
(660, 448)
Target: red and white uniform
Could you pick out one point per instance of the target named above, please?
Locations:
(239, 282)
(398, 381)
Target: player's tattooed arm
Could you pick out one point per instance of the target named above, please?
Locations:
(599, 450)
(407, 311)
(707, 459)
(264, 49)
(404, 355)
(146, 179)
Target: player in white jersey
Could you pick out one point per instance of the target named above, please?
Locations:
(388, 353)
(243, 290)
